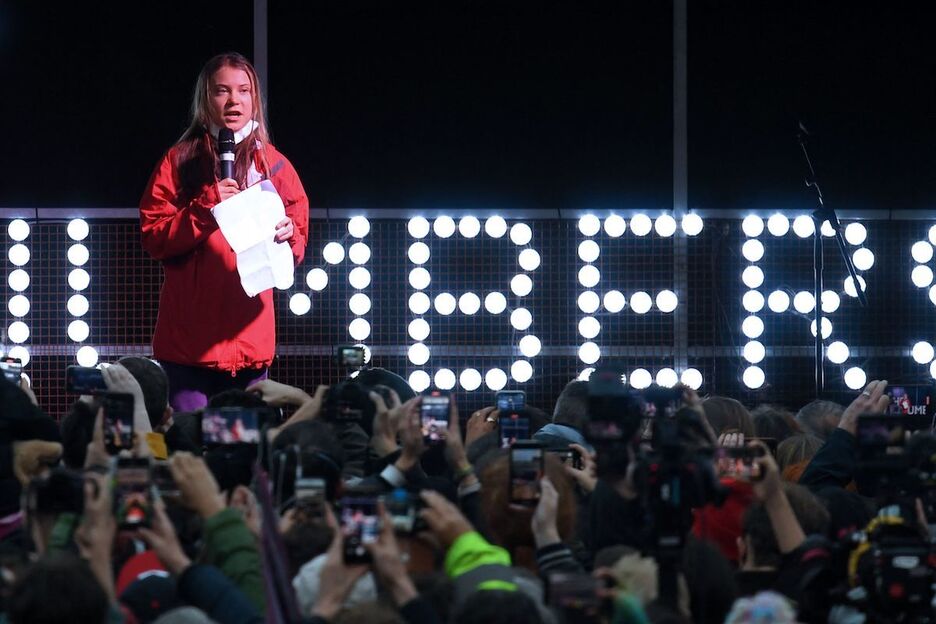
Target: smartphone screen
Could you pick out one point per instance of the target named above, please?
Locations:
(434, 416)
(911, 401)
(84, 380)
(510, 400)
(401, 508)
(526, 469)
(12, 369)
(351, 356)
(117, 421)
(133, 493)
(230, 425)
(360, 525)
(513, 426)
(738, 463)
(575, 595)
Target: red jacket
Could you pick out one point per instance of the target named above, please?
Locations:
(205, 317)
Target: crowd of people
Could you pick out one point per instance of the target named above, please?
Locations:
(345, 512)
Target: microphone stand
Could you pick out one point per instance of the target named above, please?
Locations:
(820, 214)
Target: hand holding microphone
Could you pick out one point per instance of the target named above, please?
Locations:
(228, 186)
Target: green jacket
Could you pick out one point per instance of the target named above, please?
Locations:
(231, 547)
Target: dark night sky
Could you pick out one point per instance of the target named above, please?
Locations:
(486, 104)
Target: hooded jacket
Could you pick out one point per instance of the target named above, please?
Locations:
(205, 317)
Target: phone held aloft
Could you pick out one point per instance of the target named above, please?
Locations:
(117, 421)
(84, 380)
(360, 525)
(526, 470)
(434, 416)
(133, 492)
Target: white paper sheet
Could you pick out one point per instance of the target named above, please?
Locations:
(248, 222)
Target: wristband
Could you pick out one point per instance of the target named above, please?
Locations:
(460, 475)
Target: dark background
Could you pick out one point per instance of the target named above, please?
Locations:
(485, 104)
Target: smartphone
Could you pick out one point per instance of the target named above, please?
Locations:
(568, 456)
(163, 480)
(575, 595)
(434, 415)
(310, 495)
(512, 426)
(770, 443)
(84, 380)
(230, 425)
(403, 507)
(360, 525)
(916, 400)
(117, 421)
(351, 356)
(12, 369)
(509, 400)
(738, 462)
(526, 470)
(133, 493)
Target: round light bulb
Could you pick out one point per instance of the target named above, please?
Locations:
(922, 352)
(358, 227)
(78, 254)
(444, 379)
(615, 226)
(77, 229)
(753, 301)
(418, 329)
(495, 379)
(752, 326)
(418, 253)
(359, 304)
(521, 319)
(922, 252)
(419, 303)
(445, 303)
(18, 332)
(359, 329)
(641, 379)
(667, 377)
(495, 302)
(752, 276)
(419, 381)
(19, 254)
(778, 301)
(18, 230)
(469, 303)
(589, 276)
(921, 275)
(804, 302)
(932, 295)
(585, 375)
(443, 226)
(752, 250)
(333, 253)
(830, 301)
(521, 285)
(495, 227)
(359, 253)
(588, 250)
(850, 286)
(529, 260)
(78, 279)
(589, 327)
(359, 278)
(641, 225)
(419, 278)
(300, 304)
(778, 225)
(589, 225)
(78, 331)
(855, 378)
(826, 229)
(521, 234)
(837, 352)
(665, 226)
(470, 379)
(418, 354)
(752, 226)
(692, 378)
(317, 279)
(530, 346)
(826, 327)
(692, 226)
(932, 235)
(753, 377)
(640, 302)
(469, 227)
(588, 302)
(754, 351)
(666, 301)
(589, 353)
(418, 227)
(803, 226)
(863, 259)
(521, 371)
(614, 301)
(18, 306)
(86, 356)
(855, 233)
(18, 280)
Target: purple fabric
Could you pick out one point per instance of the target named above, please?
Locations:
(190, 386)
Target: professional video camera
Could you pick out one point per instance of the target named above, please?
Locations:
(891, 564)
(673, 471)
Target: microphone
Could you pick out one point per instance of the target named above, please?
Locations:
(226, 151)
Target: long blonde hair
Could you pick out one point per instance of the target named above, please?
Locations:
(197, 154)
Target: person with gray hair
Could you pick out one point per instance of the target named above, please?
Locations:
(820, 417)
